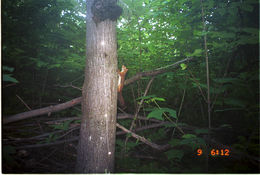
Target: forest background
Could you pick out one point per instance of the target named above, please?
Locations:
(43, 61)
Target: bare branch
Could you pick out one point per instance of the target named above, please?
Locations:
(41, 111)
(144, 140)
(154, 72)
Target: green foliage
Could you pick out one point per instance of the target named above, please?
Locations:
(183, 66)
(8, 77)
(44, 42)
(158, 113)
(188, 136)
(150, 98)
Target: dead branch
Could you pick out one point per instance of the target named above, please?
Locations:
(144, 140)
(139, 107)
(155, 72)
(41, 111)
(23, 102)
(156, 125)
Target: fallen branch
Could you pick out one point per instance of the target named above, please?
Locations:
(41, 111)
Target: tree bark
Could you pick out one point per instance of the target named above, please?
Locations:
(99, 103)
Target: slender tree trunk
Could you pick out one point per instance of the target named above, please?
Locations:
(99, 105)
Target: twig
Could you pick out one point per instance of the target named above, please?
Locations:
(65, 86)
(194, 79)
(23, 102)
(179, 112)
(62, 120)
(38, 137)
(8, 85)
(139, 106)
(155, 72)
(144, 140)
(156, 125)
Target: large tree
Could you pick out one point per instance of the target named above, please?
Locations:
(99, 104)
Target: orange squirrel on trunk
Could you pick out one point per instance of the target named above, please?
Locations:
(120, 86)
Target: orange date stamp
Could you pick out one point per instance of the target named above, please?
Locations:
(215, 152)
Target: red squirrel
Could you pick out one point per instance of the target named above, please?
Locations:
(120, 85)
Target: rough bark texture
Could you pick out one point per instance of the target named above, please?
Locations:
(99, 103)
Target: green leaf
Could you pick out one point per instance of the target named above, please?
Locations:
(197, 52)
(157, 113)
(250, 30)
(54, 66)
(6, 68)
(171, 112)
(158, 99)
(146, 97)
(183, 66)
(7, 77)
(189, 136)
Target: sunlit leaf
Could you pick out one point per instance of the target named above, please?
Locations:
(183, 66)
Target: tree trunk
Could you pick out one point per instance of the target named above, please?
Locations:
(99, 104)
